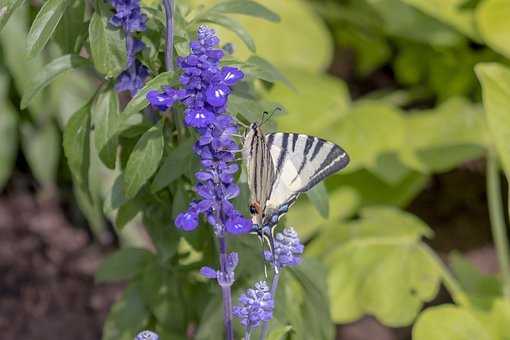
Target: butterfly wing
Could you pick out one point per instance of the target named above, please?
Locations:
(300, 162)
(260, 170)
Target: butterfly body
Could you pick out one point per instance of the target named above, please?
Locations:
(281, 166)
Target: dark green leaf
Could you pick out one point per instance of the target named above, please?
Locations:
(6, 9)
(124, 264)
(260, 68)
(77, 147)
(50, 71)
(158, 221)
(126, 213)
(41, 147)
(318, 195)
(233, 26)
(139, 101)
(143, 161)
(45, 24)
(312, 277)
(116, 195)
(105, 116)
(127, 317)
(72, 29)
(246, 7)
(174, 165)
(107, 45)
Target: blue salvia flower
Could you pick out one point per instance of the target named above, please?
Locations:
(226, 277)
(147, 335)
(287, 249)
(206, 87)
(255, 306)
(128, 16)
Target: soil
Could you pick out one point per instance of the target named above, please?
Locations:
(47, 272)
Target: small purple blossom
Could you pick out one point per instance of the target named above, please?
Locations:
(206, 87)
(255, 306)
(287, 249)
(147, 335)
(128, 16)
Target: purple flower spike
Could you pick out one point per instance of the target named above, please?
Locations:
(147, 335)
(238, 225)
(287, 248)
(255, 306)
(231, 75)
(217, 94)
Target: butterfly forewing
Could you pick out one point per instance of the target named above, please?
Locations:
(300, 162)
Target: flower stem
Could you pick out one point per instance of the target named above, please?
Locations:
(169, 49)
(225, 290)
(247, 333)
(498, 221)
(274, 286)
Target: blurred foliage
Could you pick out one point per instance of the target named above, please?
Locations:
(392, 81)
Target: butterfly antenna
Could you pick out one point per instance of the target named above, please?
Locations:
(266, 116)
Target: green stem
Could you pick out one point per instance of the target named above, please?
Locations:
(458, 295)
(498, 221)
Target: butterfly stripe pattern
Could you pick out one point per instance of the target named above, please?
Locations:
(281, 166)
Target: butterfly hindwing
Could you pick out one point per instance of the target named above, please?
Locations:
(300, 162)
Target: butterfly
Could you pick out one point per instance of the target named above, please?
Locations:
(280, 166)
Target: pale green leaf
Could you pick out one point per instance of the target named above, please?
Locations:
(378, 266)
(49, 72)
(492, 18)
(6, 9)
(45, 24)
(107, 45)
(279, 333)
(41, 147)
(495, 79)
(448, 322)
(233, 26)
(318, 100)
(318, 195)
(143, 161)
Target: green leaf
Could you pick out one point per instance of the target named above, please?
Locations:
(378, 266)
(45, 24)
(50, 71)
(320, 100)
(127, 317)
(41, 147)
(449, 322)
(77, 147)
(495, 79)
(492, 18)
(311, 275)
(105, 116)
(279, 333)
(318, 195)
(449, 12)
(175, 165)
(260, 68)
(139, 101)
(107, 45)
(9, 133)
(127, 212)
(481, 289)
(72, 29)
(246, 7)
(313, 51)
(144, 160)
(6, 9)
(233, 26)
(124, 264)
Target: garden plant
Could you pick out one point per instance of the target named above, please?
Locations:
(143, 106)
